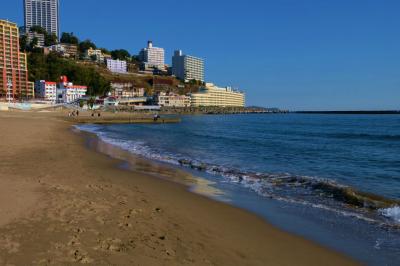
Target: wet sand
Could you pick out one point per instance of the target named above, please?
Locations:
(62, 203)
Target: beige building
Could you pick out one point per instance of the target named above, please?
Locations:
(65, 49)
(173, 100)
(124, 90)
(97, 53)
(211, 95)
(14, 82)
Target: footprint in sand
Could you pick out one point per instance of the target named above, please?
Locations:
(9, 245)
(81, 256)
(113, 245)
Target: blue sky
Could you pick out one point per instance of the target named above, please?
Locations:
(294, 54)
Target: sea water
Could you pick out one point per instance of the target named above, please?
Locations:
(334, 179)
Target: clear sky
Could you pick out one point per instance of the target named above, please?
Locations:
(294, 54)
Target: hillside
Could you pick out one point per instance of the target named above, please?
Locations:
(97, 77)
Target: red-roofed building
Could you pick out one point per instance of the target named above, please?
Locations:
(46, 90)
(68, 92)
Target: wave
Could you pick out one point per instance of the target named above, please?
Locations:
(392, 213)
(312, 191)
(361, 136)
(383, 137)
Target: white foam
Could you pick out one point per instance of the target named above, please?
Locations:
(392, 213)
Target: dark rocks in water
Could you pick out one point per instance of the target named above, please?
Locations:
(317, 187)
(216, 169)
(185, 162)
(200, 167)
(193, 165)
(354, 198)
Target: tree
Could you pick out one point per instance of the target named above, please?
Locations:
(93, 58)
(38, 29)
(135, 58)
(50, 39)
(86, 45)
(105, 51)
(34, 43)
(91, 102)
(69, 38)
(23, 43)
(120, 54)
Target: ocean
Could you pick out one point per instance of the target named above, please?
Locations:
(334, 179)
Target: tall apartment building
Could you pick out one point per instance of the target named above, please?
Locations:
(153, 56)
(14, 82)
(186, 67)
(44, 13)
(211, 95)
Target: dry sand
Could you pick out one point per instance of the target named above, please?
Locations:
(64, 204)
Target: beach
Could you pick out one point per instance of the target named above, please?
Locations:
(62, 203)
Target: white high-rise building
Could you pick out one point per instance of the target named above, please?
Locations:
(43, 13)
(186, 67)
(153, 56)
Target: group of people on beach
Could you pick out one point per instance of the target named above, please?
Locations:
(73, 113)
(76, 113)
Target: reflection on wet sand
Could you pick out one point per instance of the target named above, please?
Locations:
(133, 162)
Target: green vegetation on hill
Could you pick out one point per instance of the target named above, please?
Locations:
(69, 38)
(51, 67)
(49, 39)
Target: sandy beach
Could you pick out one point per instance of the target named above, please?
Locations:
(62, 203)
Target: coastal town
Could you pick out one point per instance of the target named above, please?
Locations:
(150, 133)
(131, 82)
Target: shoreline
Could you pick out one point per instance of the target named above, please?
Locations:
(88, 210)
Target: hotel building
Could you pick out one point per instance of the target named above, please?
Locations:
(152, 56)
(211, 95)
(173, 100)
(67, 92)
(186, 67)
(14, 82)
(116, 66)
(126, 90)
(43, 13)
(97, 54)
(46, 90)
